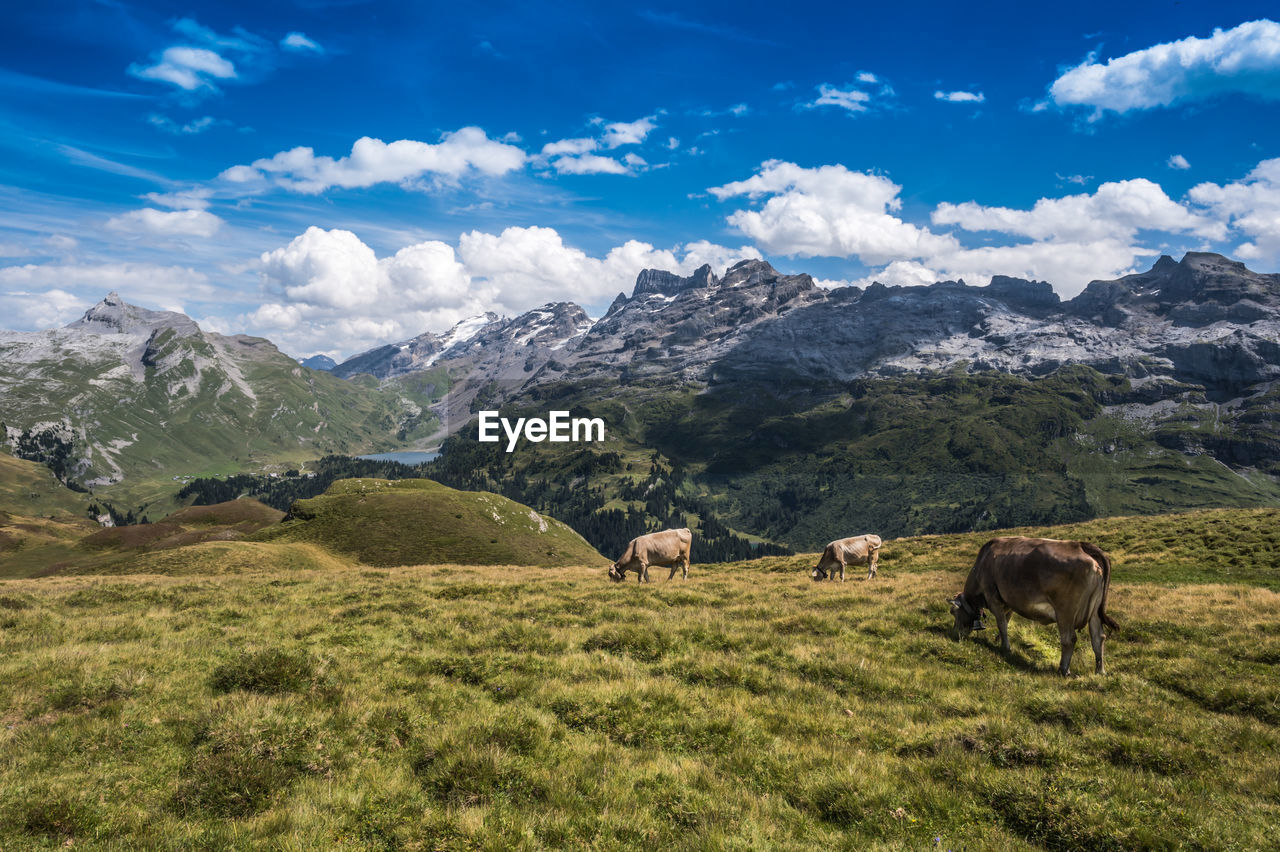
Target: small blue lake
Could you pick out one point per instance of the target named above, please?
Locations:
(403, 456)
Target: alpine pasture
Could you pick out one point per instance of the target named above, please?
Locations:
(240, 697)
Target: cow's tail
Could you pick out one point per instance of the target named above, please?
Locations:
(1103, 560)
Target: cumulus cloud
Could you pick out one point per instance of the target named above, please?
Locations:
(529, 266)
(1177, 161)
(1116, 209)
(960, 97)
(36, 311)
(828, 211)
(1244, 59)
(330, 291)
(188, 68)
(171, 223)
(1251, 206)
(834, 212)
(373, 161)
(298, 43)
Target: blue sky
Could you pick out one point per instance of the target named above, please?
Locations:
(336, 174)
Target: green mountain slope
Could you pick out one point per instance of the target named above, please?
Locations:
(805, 464)
(417, 521)
(127, 401)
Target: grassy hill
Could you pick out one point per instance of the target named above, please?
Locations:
(417, 521)
(448, 707)
(37, 512)
(89, 549)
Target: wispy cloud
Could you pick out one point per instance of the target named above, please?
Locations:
(191, 128)
(13, 81)
(93, 161)
(1177, 161)
(674, 20)
(296, 42)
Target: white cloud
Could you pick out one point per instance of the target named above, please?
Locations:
(330, 291)
(196, 198)
(867, 77)
(834, 212)
(188, 68)
(191, 128)
(373, 161)
(853, 100)
(331, 269)
(828, 212)
(172, 223)
(298, 43)
(589, 164)
(1177, 161)
(627, 133)
(40, 310)
(570, 146)
(1116, 210)
(1244, 59)
(142, 281)
(960, 97)
(1251, 206)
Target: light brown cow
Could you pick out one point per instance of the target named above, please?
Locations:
(1045, 580)
(859, 548)
(669, 547)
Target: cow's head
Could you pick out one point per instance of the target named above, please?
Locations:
(968, 619)
(616, 574)
(818, 574)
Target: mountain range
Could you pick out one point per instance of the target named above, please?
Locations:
(128, 400)
(752, 388)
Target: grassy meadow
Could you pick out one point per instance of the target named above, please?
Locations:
(304, 701)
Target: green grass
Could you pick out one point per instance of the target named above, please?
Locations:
(168, 546)
(418, 521)
(453, 707)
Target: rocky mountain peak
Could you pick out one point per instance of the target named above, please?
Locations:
(113, 315)
(669, 284)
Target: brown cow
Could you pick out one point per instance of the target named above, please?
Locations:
(669, 547)
(859, 548)
(1045, 580)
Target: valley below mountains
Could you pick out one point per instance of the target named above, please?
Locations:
(758, 408)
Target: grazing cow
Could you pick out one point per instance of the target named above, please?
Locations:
(1045, 580)
(669, 547)
(859, 548)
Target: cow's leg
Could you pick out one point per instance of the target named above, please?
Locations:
(1002, 622)
(1067, 634)
(841, 572)
(1095, 636)
(871, 565)
(644, 566)
(685, 567)
(675, 566)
